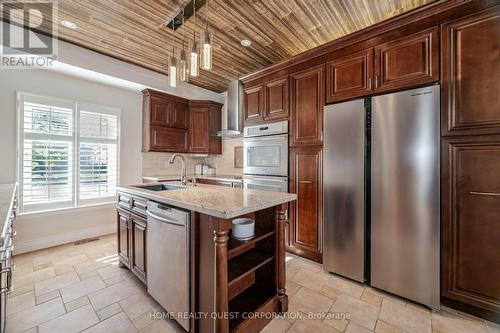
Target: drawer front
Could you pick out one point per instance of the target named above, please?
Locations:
(139, 206)
(124, 200)
(169, 139)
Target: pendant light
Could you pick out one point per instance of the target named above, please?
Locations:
(206, 44)
(183, 69)
(172, 67)
(193, 51)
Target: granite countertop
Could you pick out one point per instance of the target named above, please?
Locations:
(219, 201)
(162, 178)
(7, 193)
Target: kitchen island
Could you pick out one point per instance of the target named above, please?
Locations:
(231, 285)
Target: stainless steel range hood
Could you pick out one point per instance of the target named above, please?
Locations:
(234, 110)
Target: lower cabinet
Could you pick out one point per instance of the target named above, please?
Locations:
(470, 231)
(306, 213)
(132, 228)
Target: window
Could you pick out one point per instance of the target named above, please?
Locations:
(68, 153)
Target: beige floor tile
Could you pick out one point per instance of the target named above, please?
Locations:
(109, 311)
(82, 288)
(330, 292)
(311, 280)
(65, 265)
(292, 287)
(111, 271)
(277, 325)
(47, 258)
(360, 312)
(77, 303)
(383, 327)
(72, 322)
(307, 300)
(406, 318)
(20, 303)
(144, 320)
(493, 327)
(345, 286)
(47, 297)
(448, 323)
(371, 298)
(35, 276)
(32, 330)
(34, 316)
(119, 323)
(89, 266)
(136, 305)
(311, 326)
(21, 290)
(159, 326)
(355, 328)
(112, 294)
(338, 323)
(55, 283)
(88, 275)
(22, 269)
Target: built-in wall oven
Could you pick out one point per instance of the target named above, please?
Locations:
(265, 157)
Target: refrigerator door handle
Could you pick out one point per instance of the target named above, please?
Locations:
(490, 194)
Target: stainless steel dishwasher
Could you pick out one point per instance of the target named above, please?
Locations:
(168, 259)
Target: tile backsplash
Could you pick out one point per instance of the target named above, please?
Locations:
(154, 163)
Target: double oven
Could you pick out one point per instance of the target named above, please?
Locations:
(265, 157)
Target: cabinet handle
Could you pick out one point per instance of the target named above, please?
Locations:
(305, 181)
(376, 81)
(369, 83)
(490, 194)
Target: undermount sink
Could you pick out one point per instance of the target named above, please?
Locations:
(160, 187)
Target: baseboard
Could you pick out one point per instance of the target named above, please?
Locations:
(68, 237)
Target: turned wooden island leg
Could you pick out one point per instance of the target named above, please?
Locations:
(280, 258)
(221, 299)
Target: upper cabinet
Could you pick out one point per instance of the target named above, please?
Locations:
(205, 122)
(471, 71)
(266, 101)
(167, 126)
(349, 76)
(408, 61)
(307, 99)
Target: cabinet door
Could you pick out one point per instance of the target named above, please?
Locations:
(306, 218)
(471, 221)
(276, 99)
(138, 231)
(253, 104)
(306, 104)
(199, 135)
(160, 112)
(123, 220)
(179, 115)
(168, 139)
(349, 76)
(215, 182)
(408, 61)
(471, 72)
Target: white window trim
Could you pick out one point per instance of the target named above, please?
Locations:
(76, 203)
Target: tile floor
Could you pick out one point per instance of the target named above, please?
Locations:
(79, 288)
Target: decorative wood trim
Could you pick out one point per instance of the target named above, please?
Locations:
(280, 258)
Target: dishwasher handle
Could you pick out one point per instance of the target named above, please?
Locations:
(165, 220)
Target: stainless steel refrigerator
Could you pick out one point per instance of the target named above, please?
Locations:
(381, 171)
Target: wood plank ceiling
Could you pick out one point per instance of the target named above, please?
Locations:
(133, 31)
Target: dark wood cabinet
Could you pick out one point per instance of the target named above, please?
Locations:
(168, 139)
(205, 122)
(123, 218)
(307, 99)
(306, 213)
(253, 103)
(168, 127)
(266, 101)
(408, 61)
(276, 98)
(471, 224)
(138, 235)
(132, 228)
(349, 76)
(470, 74)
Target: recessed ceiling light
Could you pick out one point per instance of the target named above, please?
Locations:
(246, 42)
(68, 24)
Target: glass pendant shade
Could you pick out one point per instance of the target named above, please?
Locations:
(193, 59)
(206, 45)
(183, 69)
(172, 71)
